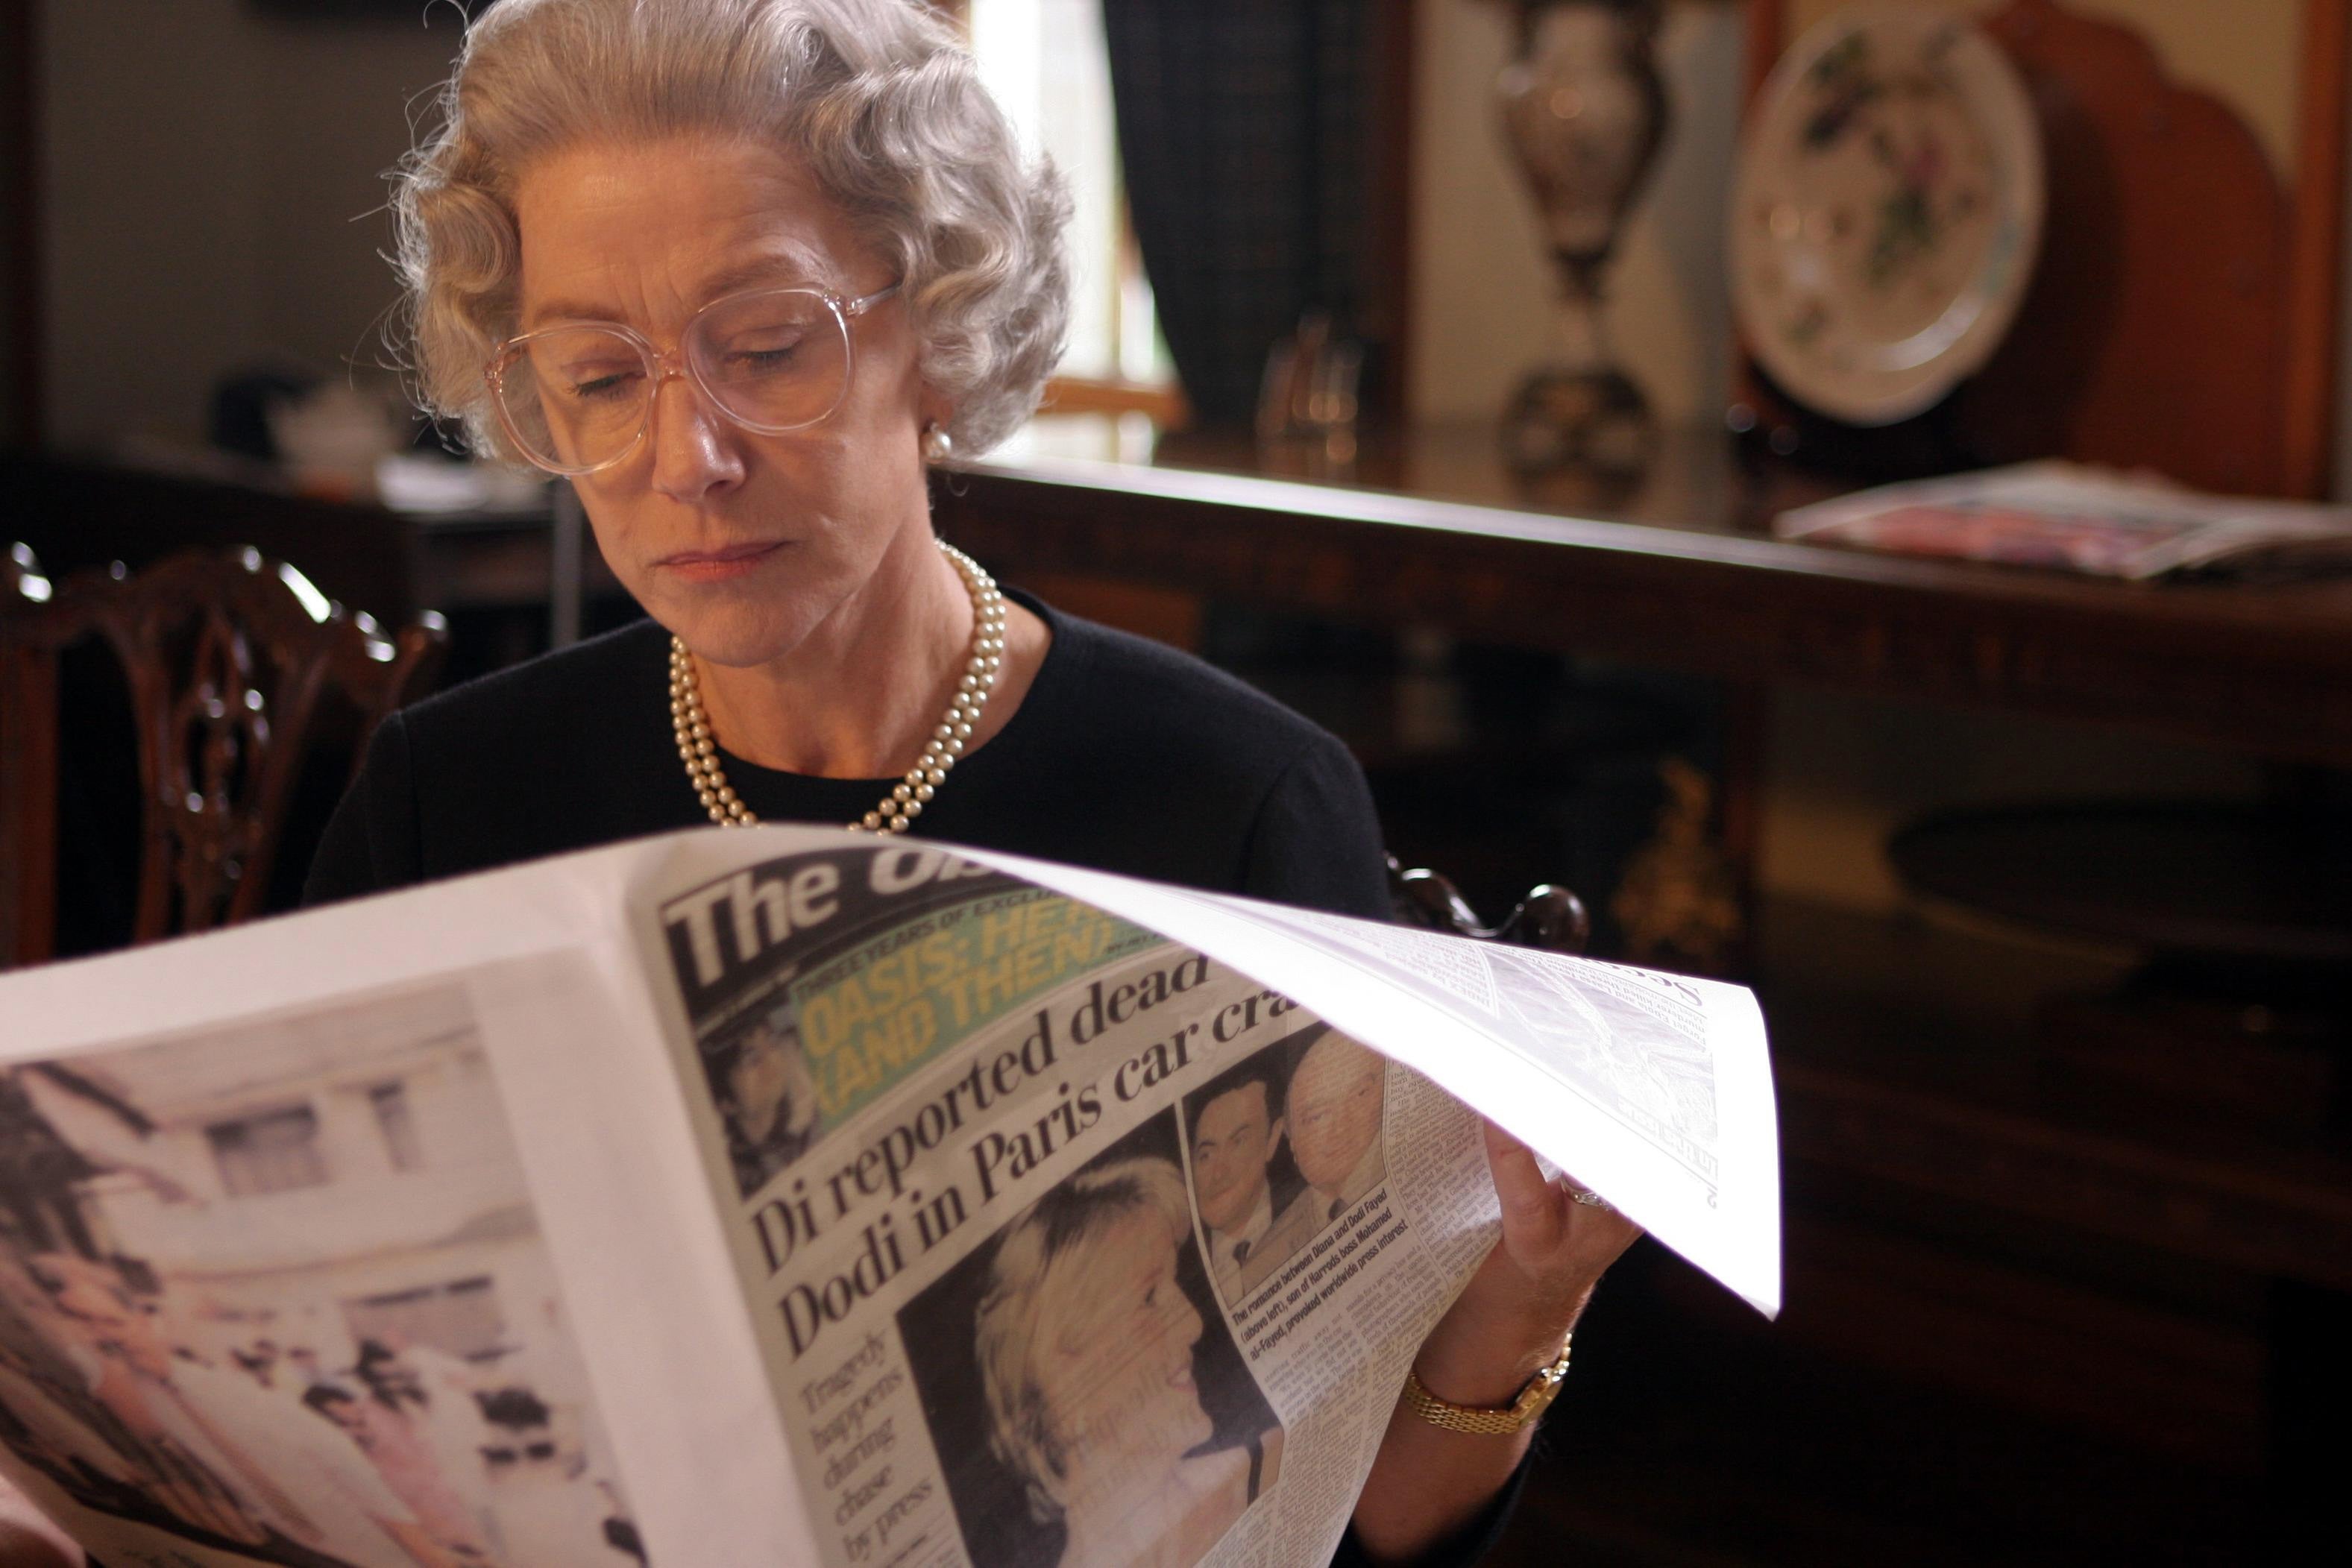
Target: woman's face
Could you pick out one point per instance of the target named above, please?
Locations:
(1335, 1110)
(741, 544)
(1115, 1370)
(1232, 1143)
(760, 1079)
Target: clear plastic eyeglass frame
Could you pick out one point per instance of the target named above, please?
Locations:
(661, 365)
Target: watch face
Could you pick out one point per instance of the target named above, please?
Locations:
(1887, 212)
(1541, 1390)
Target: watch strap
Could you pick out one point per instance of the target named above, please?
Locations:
(1533, 1399)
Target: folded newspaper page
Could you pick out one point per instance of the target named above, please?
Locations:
(2076, 518)
(787, 1196)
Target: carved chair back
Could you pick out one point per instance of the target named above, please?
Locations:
(226, 658)
(1550, 917)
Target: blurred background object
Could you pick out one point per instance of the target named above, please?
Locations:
(1310, 398)
(1888, 215)
(1585, 114)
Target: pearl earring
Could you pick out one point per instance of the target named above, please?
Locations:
(937, 443)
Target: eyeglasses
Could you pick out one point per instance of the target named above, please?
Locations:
(578, 398)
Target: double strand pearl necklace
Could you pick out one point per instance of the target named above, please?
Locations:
(898, 810)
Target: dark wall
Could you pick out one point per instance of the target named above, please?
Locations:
(19, 304)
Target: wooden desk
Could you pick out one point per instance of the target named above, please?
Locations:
(1679, 572)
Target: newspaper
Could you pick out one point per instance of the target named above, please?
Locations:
(792, 1197)
(2092, 520)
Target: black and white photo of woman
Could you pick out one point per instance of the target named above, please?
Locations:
(764, 1094)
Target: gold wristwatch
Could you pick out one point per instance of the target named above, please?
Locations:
(1518, 1416)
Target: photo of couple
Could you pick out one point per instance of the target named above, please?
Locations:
(1282, 1144)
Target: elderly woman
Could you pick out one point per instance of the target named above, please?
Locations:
(739, 270)
(1084, 1341)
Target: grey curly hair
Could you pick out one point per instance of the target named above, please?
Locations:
(877, 97)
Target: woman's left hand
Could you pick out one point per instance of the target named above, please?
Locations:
(1428, 1483)
(1512, 1317)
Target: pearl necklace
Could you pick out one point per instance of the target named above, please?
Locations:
(898, 810)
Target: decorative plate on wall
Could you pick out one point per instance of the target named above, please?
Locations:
(1887, 212)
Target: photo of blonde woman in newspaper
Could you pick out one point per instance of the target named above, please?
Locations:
(1088, 1400)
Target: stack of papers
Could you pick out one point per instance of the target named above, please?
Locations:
(2077, 518)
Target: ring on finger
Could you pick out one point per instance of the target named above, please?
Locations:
(1591, 1199)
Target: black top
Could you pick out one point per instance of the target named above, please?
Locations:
(1125, 757)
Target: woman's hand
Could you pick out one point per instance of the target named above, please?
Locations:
(1510, 1320)
(1508, 1324)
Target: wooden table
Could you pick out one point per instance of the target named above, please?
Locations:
(1678, 572)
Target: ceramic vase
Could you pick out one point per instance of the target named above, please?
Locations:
(1584, 113)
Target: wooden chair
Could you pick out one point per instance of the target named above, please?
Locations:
(1550, 917)
(226, 658)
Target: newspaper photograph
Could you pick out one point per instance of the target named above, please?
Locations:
(1081, 1382)
(279, 1293)
(793, 1195)
(1257, 1203)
